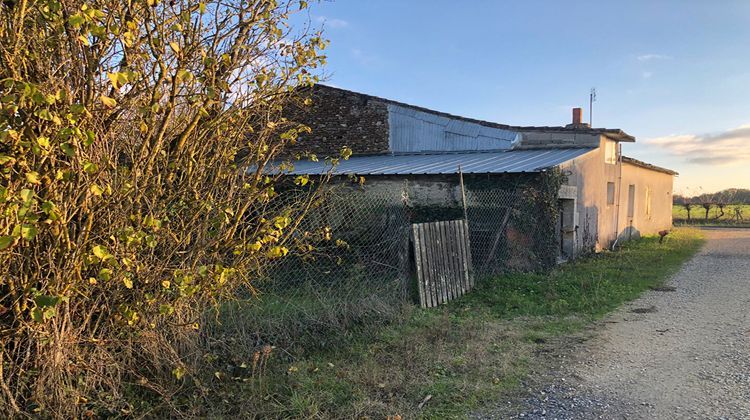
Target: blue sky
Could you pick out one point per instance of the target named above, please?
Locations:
(675, 74)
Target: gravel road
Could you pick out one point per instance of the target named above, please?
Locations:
(683, 354)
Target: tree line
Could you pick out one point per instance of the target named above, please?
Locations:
(728, 202)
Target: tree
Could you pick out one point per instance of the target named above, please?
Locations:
(688, 207)
(737, 213)
(135, 138)
(706, 204)
(684, 201)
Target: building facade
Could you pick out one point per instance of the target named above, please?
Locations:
(605, 197)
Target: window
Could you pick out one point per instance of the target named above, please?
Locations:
(610, 193)
(631, 201)
(648, 202)
(610, 152)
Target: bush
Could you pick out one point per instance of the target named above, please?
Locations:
(133, 142)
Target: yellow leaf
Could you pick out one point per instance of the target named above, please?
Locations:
(175, 46)
(121, 78)
(96, 190)
(84, 40)
(107, 101)
(184, 75)
(32, 177)
(113, 78)
(277, 252)
(166, 283)
(281, 222)
(128, 282)
(92, 281)
(100, 252)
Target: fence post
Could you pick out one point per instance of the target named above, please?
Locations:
(463, 191)
(406, 261)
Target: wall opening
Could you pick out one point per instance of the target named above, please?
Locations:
(566, 229)
(610, 193)
(631, 201)
(610, 153)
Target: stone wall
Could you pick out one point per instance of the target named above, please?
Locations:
(341, 118)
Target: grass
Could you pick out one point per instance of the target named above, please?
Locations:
(698, 215)
(466, 355)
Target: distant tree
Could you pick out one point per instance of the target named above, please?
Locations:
(720, 205)
(688, 207)
(684, 201)
(706, 203)
(737, 213)
(723, 199)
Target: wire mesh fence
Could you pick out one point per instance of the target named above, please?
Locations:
(509, 231)
(363, 273)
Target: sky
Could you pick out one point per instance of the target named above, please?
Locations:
(674, 74)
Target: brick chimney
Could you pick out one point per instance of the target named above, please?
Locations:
(577, 114)
(577, 119)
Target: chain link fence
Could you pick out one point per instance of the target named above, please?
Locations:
(362, 275)
(510, 231)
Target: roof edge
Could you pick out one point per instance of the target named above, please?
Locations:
(641, 164)
(612, 133)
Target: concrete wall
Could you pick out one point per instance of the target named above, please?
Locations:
(598, 222)
(649, 185)
(594, 219)
(535, 139)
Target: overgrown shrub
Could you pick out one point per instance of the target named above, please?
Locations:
(133, 142)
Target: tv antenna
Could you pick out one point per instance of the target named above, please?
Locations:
(592, 99)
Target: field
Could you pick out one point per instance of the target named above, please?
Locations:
(455, 359)
(698, 215)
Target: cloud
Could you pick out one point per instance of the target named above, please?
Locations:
(332, 22)
(647, 74)
(364, 58)
(725, 148)
(651, 57)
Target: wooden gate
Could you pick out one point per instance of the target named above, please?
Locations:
(442, 256)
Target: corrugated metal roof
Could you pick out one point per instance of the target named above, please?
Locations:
(613, 133)
(416, 131)
(512, 161)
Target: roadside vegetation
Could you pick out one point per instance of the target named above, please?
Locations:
(448, 361)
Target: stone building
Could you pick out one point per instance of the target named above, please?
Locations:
(605, 196)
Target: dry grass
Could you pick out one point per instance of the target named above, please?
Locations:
(459, 361)
(472, 353)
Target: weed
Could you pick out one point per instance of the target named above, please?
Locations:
(447, 361)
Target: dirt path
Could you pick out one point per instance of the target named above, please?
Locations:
(687, 356)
